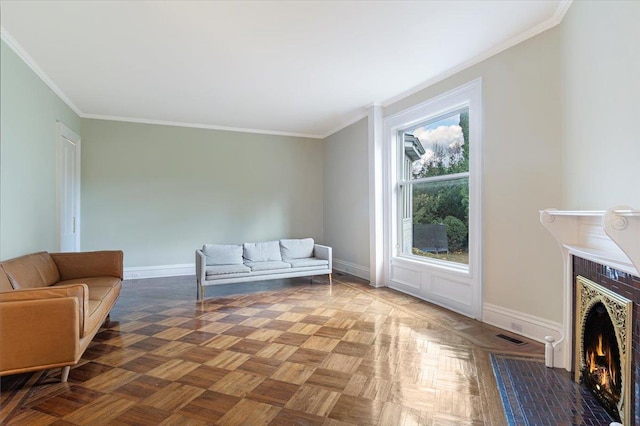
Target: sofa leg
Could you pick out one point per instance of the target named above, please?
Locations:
(64, 374)
(201, 292)
(330, 282)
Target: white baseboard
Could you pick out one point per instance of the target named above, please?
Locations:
(529, 326)
(351, 268)
(157, 271)
(526, 325)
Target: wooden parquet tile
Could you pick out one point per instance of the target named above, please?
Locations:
(281, 354)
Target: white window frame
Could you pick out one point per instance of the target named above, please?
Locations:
(452, 285)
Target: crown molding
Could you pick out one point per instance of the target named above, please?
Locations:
(557, 17)
(31, 63)
(354, 119)
(198, 126)
(13, 44)
(554, 20)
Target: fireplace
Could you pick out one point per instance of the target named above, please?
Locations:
(600, 340)
(603, 346)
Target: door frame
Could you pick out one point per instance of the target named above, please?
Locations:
(65, 134)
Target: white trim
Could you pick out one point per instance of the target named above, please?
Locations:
(554, 20)
(376, 197)
(354, 119)
(351, 268)
(599, 236)
(198, 126)
(158, 271)
(31, 63)
(468, 94)
(557, 17)
(529, 326)
(65, 133)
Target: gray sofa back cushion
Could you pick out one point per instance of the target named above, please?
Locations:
(262, 252)
(297, 248)
(223, 254)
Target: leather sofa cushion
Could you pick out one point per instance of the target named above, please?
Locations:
(93, 306)
(89, 264)
(31, 271)
(94, 282)
(98, 293)
(103, 291)
(99, 308)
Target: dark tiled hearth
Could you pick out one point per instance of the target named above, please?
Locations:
(533, 394)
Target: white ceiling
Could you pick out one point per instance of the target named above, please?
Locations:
(298, 67)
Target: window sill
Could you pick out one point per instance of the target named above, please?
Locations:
(441, 265)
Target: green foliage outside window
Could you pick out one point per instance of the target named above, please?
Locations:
(447, 201)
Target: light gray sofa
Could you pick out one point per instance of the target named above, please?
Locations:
(288, 258)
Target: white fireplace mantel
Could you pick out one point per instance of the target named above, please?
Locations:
(610, 237)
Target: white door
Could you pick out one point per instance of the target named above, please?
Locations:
(68, 189)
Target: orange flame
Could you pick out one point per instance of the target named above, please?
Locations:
(599, 348)
(610, 373)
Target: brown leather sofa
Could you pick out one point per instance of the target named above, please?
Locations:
(52, 305)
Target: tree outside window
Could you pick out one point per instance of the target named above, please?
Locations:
(434, 188)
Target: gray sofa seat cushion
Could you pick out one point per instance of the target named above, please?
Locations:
(223, 254)
(297, 248)
(268, 266)
(310, 261)
(262, 252)
(226, 269)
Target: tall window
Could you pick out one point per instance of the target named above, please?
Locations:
(432, 202)
(434, 187)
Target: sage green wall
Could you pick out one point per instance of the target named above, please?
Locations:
(29, 110)
(160, 192)
(521, 171)
(346, 192)
(601, 91)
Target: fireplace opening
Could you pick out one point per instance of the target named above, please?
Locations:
(601, 371)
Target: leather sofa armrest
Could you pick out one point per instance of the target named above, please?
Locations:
(323, 252)
(80, 292)
(89, 264)
(38, 334)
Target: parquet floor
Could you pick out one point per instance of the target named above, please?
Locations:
(281, 353)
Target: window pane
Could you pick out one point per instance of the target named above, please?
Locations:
(439, 227)
(437, 147)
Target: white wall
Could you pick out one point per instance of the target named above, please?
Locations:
(601, 95)
(346, 193)
(521, 172)
(29, 110)
(160, 192)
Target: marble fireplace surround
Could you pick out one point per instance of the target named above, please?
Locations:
(594, 243)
